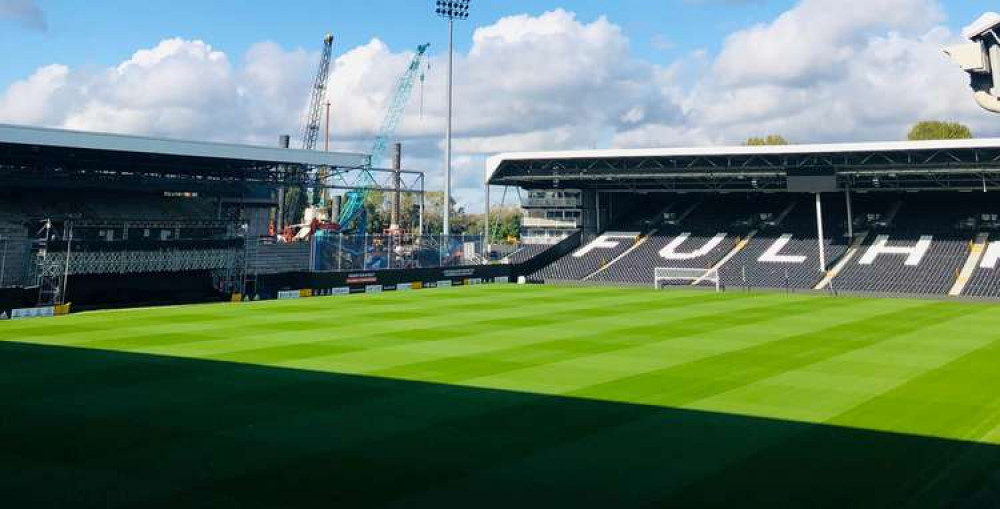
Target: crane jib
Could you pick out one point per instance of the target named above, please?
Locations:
(352, 210)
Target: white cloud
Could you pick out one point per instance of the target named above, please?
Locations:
(39, 99)
(817, 39)
(825, 70)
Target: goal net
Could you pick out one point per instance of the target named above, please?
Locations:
(665, 276)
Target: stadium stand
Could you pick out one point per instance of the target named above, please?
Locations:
(784, 253)
(985, 280)
(980, 276)
(526, 253)
(913, 248)
(14, 252)
(698, 235)
(590, 258)
(273, 258)
(905, 244)
(116, 233)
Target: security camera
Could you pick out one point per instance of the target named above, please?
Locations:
(983, 27)
(981, 59)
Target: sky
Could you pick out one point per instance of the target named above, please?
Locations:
(530, 75)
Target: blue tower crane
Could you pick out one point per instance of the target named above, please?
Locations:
(354, 205)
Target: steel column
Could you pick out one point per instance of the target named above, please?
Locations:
(446, 227)
(850, 214)
(819, 229)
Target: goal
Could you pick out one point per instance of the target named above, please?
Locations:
(663, 276)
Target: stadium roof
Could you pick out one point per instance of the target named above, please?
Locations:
(59, 140)
(33, 156)
(906, 165)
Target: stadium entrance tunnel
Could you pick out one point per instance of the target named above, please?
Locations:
(91, 428)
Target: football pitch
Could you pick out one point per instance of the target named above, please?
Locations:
(506, 396)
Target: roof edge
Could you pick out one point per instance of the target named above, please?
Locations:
(51, 137)
(493, 163)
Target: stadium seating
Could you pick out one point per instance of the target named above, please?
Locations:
(985, 280)
(786, 254)
(907, 262)
(114, 232)
(909, 246)
(591, 257)
(272, 258)
(701, 237)
(526, 252)
(916, 250)
(14, 254)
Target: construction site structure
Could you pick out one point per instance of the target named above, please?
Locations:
(352, 210)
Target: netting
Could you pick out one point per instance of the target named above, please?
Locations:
(664, 276)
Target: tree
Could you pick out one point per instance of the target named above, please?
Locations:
(938, 130)
(506, 224)
(296, 201)
(771, 139)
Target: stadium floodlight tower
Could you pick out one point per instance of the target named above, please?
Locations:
(450, 10)
(981, 59)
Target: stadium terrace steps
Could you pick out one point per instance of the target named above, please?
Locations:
(14, 254)
(914, 249)
(740, 246)
(642, 240)
(906, 262)
(975, 254)
(906, 246)
(277, 258)
(674, 248)
(706, 234)
(786, 254)
(985, 278)
(591, 257)
(526, 252)
(838, 265)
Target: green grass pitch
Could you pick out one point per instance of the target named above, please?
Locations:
(507, 396)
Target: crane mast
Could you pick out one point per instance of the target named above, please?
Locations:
(295, 200)
(311, 129)
(354, 206)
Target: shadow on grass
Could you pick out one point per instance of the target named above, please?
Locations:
(84, 428)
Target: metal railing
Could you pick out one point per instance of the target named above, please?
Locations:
(541, 222)
(339, 252)
(562, 203)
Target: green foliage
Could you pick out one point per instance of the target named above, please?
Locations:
(506, 224)
(378, 206)
(296, 200)
(771, 139)
(938, 130)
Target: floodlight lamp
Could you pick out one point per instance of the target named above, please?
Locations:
(453, 9)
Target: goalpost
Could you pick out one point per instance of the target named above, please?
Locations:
(667, 275)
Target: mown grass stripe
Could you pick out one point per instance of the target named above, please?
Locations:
(690, 382)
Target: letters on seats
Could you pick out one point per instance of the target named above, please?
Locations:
(603, 242)
(670, 251)
(992, 256)
(773, 253)
(914, 254)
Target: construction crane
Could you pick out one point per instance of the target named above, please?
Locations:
(310, 131)
(296, 201)
(353, 208)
